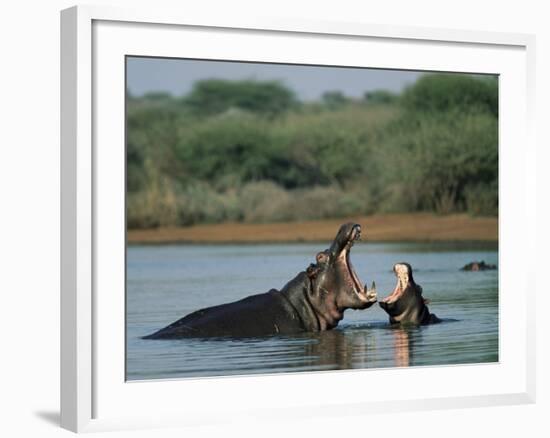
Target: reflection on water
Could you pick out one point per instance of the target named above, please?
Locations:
(167, 282)
(401, 345)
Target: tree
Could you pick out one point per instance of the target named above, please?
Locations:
(334, 99)
(214, 96)
(444, 91)
(380, 96)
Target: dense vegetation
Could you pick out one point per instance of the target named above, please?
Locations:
(251, 151)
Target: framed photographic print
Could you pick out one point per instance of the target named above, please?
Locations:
(252, 209)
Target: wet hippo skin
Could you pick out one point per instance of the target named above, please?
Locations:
(314, 300)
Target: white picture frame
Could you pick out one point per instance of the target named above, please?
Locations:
(94, 394)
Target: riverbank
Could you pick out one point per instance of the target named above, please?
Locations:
(413, 227)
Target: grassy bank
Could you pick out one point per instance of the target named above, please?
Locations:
(392, 227)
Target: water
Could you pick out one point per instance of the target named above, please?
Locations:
(167, 282)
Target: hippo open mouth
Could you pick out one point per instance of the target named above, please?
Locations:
(364, 294)
(403, 278)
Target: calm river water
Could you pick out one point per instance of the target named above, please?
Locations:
(166, 282)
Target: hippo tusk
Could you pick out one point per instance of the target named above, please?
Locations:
(371, 293)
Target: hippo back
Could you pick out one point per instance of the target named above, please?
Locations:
(256, 315)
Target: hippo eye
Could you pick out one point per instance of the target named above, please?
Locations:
(321, 257)
(312, 271)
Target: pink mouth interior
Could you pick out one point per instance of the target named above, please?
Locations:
(394, 296)
(356, 283)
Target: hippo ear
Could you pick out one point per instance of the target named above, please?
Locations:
(427, 301)
(312, 271)
(322, 257)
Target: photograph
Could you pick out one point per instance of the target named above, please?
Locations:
(285, 218)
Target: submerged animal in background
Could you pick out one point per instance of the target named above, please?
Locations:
(315, 300)
(406, 305)
(478, 266)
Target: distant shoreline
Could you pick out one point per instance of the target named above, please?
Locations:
(410, 227)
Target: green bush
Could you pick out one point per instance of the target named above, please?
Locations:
(234, 145)
(331, 147)
(482, 199)
(299, 150)
(324, 202)
(437, 157)
(452, 92)
(334, 100)
(220, 154)
(214, 96)
(152, 131)
(153, 207)
(380, 97)
(264, 201)
(199, 203)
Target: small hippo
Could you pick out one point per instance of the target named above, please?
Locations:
(478, 266)
(405, 305)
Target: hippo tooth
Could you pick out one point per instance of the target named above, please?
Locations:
(372, 288)
(371, 293)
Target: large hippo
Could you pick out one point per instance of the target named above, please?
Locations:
(405, 304)
(314, 300)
